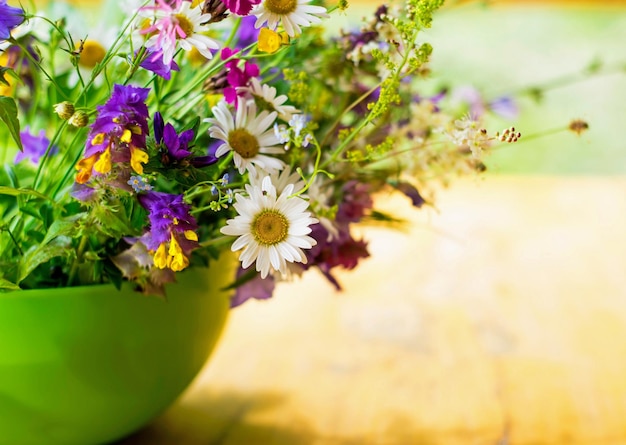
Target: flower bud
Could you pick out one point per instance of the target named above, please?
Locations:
(79, 119)
(65, 110)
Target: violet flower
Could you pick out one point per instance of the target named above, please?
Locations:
(10, 17)
(177, 145)
(154, 63)
(247, 33)
(118, 134)
(34, 147)
(172, 234)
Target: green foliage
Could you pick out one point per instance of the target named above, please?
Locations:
(8, 115)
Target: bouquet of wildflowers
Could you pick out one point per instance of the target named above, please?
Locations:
(186, 128)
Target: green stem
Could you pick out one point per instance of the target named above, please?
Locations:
(39, 66)
(55, 138)
(70, 168)
(397, 76)
(79, 257)
(213, 66)
(215, 241)
(17, 246)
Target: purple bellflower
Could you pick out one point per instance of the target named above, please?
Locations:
(10, 17)
(175, 147)
(155, 64)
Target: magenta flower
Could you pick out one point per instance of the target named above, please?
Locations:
(237, 74)
(240, 7)
(10, 17)
(356, 201)
(34, 147)
(342, 250)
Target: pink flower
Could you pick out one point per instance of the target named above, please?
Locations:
(237, 74)
(240, 7)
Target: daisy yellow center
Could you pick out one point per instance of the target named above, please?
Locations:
(185, 25)
(270, 227)
(245, 144)
(92, 54)
(281, 7)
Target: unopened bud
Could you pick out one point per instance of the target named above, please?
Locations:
(65, 110)
(79, 119)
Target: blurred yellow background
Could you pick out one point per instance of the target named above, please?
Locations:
(499, 318)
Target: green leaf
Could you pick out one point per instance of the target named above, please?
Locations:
(6, 284)
(61, 227)
(3, 71)
(34, 234)
(39, 255)
(8, 114)
(4, 190)
(30, 210)
(11, 175)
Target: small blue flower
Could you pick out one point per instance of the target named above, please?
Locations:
(139, 184)
(224, 180)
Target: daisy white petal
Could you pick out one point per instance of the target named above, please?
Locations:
(274, 233)
(249, 136)
(292, 14)
(267, 98)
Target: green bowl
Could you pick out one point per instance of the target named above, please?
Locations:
(88, 365)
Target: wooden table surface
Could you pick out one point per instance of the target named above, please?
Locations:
(498, 319)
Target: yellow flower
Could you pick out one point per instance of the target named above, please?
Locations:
(172, 257)
(104, 162)
(177, 261)
(269, 41)
(91, 53)
(138, 157)
(160, 257)
(6, 90)
(84, 168)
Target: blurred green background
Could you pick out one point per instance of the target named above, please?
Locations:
(509, 48)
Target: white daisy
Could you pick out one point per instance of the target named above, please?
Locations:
(249, 136)
(272, 229)
(178, 26)
(291, 13)
(265, 96)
